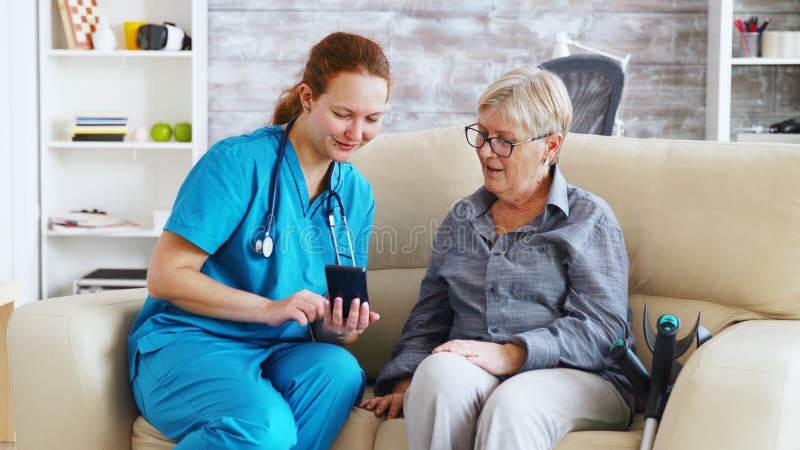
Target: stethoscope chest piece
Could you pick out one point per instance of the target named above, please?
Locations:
(265, 246)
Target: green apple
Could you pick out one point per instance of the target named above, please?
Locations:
(183, 132)
(161, 132)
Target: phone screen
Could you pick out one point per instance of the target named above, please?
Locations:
(348, 283)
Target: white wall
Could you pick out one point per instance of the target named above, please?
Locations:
(5, 145)
(19, 137)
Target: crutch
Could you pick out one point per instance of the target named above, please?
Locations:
(654, 388)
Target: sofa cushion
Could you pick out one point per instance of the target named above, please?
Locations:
(392, 436)
(146, 437)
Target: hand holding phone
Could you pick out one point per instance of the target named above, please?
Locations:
(348, 283)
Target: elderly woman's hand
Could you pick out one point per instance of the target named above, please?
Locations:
(497, 359)
(393, 402)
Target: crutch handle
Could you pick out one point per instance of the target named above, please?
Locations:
(631, 366)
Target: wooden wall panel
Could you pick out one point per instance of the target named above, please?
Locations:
(285, 36)
(443, 55)
(612, 5)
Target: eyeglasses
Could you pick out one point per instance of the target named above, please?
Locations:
(501, 147)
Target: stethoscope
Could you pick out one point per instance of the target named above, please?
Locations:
(266, 246)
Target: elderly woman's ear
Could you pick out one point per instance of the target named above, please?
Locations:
(553, 144)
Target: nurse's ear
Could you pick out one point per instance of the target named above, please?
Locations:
(306, 96)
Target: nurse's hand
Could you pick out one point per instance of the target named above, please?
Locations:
(303, 306)
(335, 329)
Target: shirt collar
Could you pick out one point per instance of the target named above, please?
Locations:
(559, 195)
(479, 202)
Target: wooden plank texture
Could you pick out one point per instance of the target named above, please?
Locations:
(444, 54)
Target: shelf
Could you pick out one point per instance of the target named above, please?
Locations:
(723, 42)
(186, 54)
(765, 61)
(786, 138)
(133, 178)
(126, 233)
(60, 145)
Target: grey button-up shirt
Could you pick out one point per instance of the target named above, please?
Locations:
(557, 286)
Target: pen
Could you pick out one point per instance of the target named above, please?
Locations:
(739, 24)
(764, 26)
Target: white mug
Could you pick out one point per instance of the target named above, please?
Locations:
(771, 44)
(795, 44)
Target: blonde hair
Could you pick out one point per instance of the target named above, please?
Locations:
(533, 98)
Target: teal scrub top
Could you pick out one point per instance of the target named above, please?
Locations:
(222, 208)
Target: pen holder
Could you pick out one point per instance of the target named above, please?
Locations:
(750, 45)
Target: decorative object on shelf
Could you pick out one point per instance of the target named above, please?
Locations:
(183, 132)
(103, 38)
(161, 132)
(100, 127)
(780, 44)
(162, 37)
(87, 221)
(750, 36)
(79, 18)
(140, 134)
(131, 29)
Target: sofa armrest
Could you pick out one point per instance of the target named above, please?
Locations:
(741, 390)
(69, 371)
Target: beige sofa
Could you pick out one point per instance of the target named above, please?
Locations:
(709, 227)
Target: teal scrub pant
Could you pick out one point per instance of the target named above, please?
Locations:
(206, 392)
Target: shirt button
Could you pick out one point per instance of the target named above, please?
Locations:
(491, 289)
(495, 330)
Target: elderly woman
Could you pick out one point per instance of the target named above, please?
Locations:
(526, 290)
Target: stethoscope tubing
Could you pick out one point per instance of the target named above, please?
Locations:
(273, 183)
(266, 245)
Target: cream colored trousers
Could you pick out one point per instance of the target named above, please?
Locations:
(453, 404)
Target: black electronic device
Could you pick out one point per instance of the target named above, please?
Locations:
(787, 126)
(109, 279)
(347, 282)
(162, 37)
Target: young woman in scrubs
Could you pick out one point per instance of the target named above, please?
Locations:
(237, 349)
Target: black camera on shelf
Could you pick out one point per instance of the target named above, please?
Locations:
(162, 37)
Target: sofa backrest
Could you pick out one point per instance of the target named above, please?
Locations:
(709, 227)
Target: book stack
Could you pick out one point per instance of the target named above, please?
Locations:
(100, 127)
(88, 222)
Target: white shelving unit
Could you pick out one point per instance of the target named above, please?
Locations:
(720, 65)
(126, 179)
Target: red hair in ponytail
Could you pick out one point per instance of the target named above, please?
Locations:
(336, 53)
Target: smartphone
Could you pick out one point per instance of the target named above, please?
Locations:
(347, 282)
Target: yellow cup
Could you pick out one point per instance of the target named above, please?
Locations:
(130, 34)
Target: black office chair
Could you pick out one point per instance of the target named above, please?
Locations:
(594, 83)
